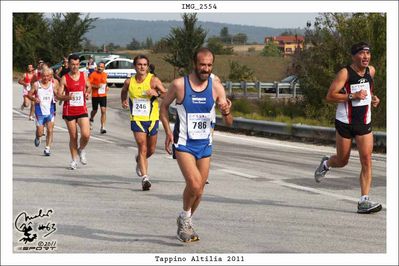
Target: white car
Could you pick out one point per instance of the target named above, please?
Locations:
(118, 69)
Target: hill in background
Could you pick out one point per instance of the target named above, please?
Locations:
(121, 31)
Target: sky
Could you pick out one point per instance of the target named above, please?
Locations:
(273, 20)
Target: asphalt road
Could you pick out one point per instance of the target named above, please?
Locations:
(262, 197)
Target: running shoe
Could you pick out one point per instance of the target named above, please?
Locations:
(103, 130)
(138, 171)
(321, 171)
(207, 182)
(368, 206)
(73, 165)
(145, 183)
(194, 236)
(37, 141)
(47, 151)
(82, 155)
(184, 229)
(31, 118)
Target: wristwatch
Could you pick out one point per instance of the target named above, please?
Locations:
(350, 96)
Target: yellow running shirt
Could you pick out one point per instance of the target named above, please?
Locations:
(142, 107)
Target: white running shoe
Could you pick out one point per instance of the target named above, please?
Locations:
(145, 183)
(47, 151)
(82, 155)
(73, 165)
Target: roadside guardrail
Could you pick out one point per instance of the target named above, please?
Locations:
(295, 130)
(263, 87)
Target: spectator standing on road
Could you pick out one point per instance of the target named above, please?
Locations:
(42, 93)
(62, 70)
(25, 81)
(74, 90)
(196, 96)
(352, 89)
(91, 65)
(98, 81)
(143, 89)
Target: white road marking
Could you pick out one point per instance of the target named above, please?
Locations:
(285, 184)
(237, 173)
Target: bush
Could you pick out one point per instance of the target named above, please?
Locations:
(244, 106)
(240, 72)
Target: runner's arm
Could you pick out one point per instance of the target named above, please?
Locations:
(88, 87)
(31, 93)
(21, 81)
(60, 91)
(164, 115)
(160, 90)
(223, 103)
(124, 91)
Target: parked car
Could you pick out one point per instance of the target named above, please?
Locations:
(84, 57)
(290, 79)
(117, 68)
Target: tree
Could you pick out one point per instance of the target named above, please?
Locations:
(111, 46)
(30, 39)
(217, 47)
(149, 43)
(240, 38)
(183, 42)
(134, 45)
(67, 31)
(225, 37)
(328, 43)
(240, 72)
(161, 46)
(271, 49)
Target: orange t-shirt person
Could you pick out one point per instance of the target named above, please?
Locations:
(98, 81)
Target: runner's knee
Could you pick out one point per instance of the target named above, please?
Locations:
(365, 160)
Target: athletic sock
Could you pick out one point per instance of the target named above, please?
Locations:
(185, 214)
(364, 197)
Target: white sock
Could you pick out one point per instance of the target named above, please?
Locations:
(185, 214)
(145, 177)
(364, 197)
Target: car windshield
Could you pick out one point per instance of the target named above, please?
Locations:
(289, 79)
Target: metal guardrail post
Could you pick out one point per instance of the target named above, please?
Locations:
(244, 86)
(258, 87)
(277, 89)
(229, 86)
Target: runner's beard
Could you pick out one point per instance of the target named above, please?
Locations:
(200, 75)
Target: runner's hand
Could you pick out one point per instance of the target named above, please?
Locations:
(125, 105)
(375, 101)
(168, 142)
(224, 107)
